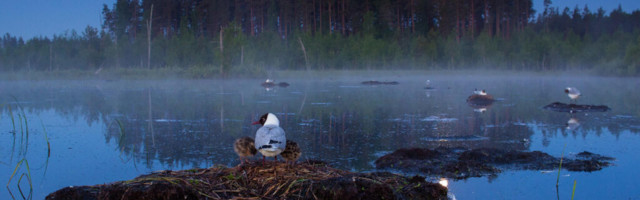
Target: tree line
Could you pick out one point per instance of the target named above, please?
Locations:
(220, 37)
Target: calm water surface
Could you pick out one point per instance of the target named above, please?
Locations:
(182, 124)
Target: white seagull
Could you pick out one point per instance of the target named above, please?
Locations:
(479, 92)
(573, 93)
(270, 139)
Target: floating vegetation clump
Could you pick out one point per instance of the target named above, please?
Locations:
(460, 163)
(273, 180)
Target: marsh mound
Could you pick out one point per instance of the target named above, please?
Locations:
(273, 180)
(572, 108)
(461, 164)
(380, 82)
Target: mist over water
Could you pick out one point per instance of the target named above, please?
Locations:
(182, 124)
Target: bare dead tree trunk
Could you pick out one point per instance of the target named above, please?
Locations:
(398, 19)
(344, 12)
(412, 8)
(251, 19)
(330, 29)
(314, 17)
(150, 115)
(487, 20)
(320, 17)
(117, 53)
(306, 60)
(149, 25)
(222, 110)
(221, 52)
(50, 56)
(457, 22)
(473, 20)
(498, 15)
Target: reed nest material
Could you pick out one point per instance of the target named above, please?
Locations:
(253, 180)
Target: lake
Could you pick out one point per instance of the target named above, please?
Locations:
(101, 131)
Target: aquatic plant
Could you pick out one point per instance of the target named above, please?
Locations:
(560, 166)
(24, 145)
(13, 122)
(574, 189)
(28, 174)
(46, 138)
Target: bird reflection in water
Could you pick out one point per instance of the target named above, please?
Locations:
(572, 124)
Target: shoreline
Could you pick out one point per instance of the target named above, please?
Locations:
(187, 74)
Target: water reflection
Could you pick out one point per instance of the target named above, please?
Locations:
(182, 124)
(573, 124)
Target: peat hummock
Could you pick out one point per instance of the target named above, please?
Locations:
(274, 180)
(480, 100)
(380, 82)
(271, 84)
(572, 108)
(461, 164)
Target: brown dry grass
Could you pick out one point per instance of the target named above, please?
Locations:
(254, 180)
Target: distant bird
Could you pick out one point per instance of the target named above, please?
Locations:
(270, 138)
(480, 97)
(244, 147)
(268, 83)
(476, 91)
(292, 152)
(428, 85)
(573, 93)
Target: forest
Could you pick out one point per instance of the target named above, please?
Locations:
(202, 39)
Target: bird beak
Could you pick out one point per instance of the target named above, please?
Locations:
(256, 122)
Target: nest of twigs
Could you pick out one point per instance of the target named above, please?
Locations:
(255, 180)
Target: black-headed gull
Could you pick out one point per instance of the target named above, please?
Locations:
(573, 93)
(270, 138)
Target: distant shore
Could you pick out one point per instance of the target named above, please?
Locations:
(178, 73)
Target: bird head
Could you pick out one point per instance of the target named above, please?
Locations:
(266, 119)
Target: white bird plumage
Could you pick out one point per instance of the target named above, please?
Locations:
(479, 92)
(573, 93)
(270, 139)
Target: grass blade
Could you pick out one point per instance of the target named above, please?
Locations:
(26, 126)
(13, 121)
(46, 138)
(28, 173)
(574, 189)
(14, 172)
(560, 166)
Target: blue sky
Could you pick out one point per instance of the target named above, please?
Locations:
(33, 18)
